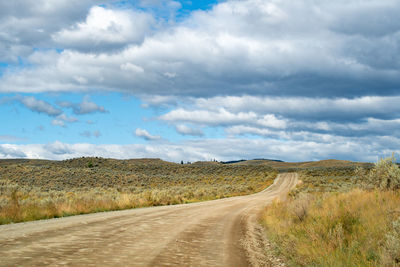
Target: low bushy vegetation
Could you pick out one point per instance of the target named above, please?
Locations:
(384, 176)
(336, 229)
(340, 217)
(32, 189)
(330, 179)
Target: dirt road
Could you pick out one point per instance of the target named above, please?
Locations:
(214, 233)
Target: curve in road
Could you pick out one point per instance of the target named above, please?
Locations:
(221, 232)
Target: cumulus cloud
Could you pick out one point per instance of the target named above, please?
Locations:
(38, 106)
(222, 117)
(62, 119)
(85, 107)
(105, 30)
(299, 75)
(131, 67)
(88, 107)
(221, 149)
(243, 130)
(237, 47)
(8, 151)
(58, 123)
(206, 117)
(158, 101)
(308, 108)
(23, 29)
(186, 130)
(287, 118)
(142, 133)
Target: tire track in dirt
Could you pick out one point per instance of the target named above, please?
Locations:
(221, 232)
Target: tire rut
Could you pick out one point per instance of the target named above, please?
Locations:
(214, 233)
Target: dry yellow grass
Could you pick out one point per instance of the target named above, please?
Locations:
(329, 221)
(31, 189)
(32, 204)
(334, 229)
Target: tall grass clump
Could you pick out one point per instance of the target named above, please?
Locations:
(330, 221)
(336, 229)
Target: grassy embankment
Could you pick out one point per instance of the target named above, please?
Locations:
(35, 189)
(343, 216)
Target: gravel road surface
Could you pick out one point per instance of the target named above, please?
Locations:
(221, 232)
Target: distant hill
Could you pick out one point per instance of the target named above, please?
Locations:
(129, 163)
(206, 163)
(113, 163)
(252, 162)
(328, 163)
(308, 164)
(91, 172)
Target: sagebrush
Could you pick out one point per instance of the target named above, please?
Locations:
(37, 189)
(385, 175)
(340, 216)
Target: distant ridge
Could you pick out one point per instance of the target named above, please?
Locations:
(279, 164)
(243, 160)
(156, 162)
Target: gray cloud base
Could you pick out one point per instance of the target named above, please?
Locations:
(238, 47)
(316, 78)
(221, 149)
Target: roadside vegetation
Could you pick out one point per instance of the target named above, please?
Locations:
(38, 189)
(340, 214)
(343, 216)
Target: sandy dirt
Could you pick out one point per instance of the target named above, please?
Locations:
(221, 232)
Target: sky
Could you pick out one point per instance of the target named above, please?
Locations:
(199, 80)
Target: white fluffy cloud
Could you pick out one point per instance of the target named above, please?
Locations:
(302, 75)
(105, 29)
(142, 133)
(237, 47)
(309, 108)
(222, 117)
(88, 107)
(186, 130)
(39, 106)
(221, 149)
(205, 117)
(85, 107)
(62, 119)
(287, 118)
(26, 25)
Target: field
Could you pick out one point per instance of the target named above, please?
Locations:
(328, 179)
(337, 217)
(293, 166)
(340, 214)
(38, 189)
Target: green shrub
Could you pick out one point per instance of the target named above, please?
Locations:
(90, 164)
(385, 175)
